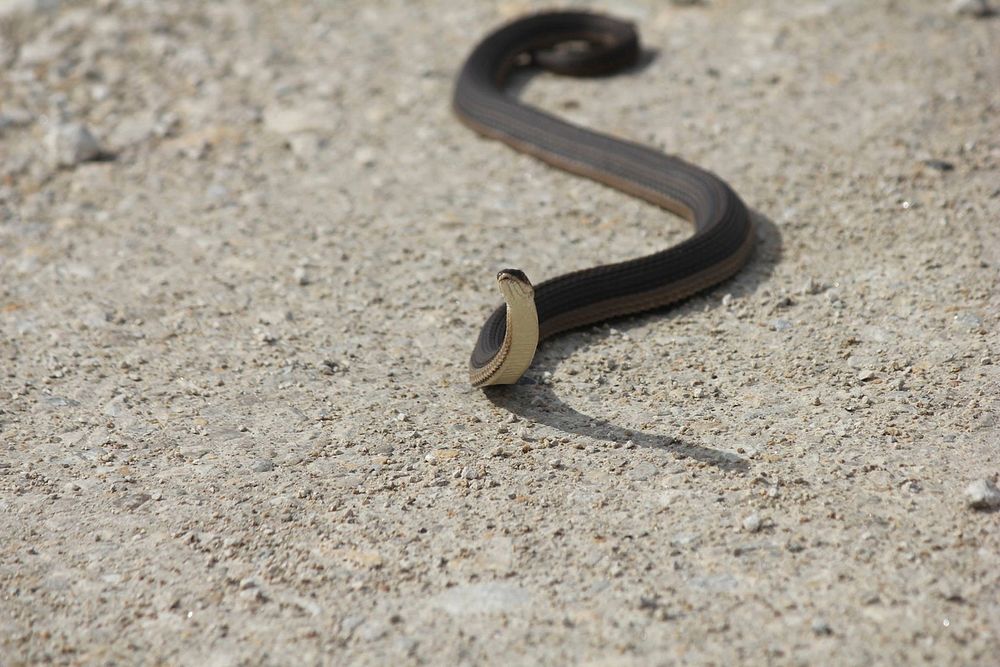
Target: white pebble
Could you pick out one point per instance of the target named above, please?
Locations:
(71, 144)
(752, 523)
(982, 495)
(365, 156)
(976, 8)
(306, 118)
(40, 52)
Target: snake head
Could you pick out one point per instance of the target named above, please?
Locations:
(514, 283)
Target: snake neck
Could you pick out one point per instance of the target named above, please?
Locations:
(519, 341)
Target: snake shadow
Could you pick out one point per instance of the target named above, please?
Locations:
(538, 402)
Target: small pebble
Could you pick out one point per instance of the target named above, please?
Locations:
(982, 495)
(470, 472)
(263, 465)
(72, 143)
(365, 156)
(13, 118)
(288, 120)
(975, 8)
(306, 146)
(133, 501)
(752, 523)
(821, 627)
(968, 320)
(40, 52)
(813, 286)
(301, 275)
(332, 367)
(940, 165)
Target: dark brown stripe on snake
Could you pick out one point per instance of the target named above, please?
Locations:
(723, 236)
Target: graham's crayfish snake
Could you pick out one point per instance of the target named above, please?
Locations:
(723, 236)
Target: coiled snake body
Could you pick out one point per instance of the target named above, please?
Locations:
(723, 236)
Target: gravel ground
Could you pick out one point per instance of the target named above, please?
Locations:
(246, 250)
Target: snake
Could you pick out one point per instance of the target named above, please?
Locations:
(586, 44)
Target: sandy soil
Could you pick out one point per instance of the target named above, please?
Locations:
(245, 250)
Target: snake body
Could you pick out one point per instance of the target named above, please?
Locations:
(723, 236)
